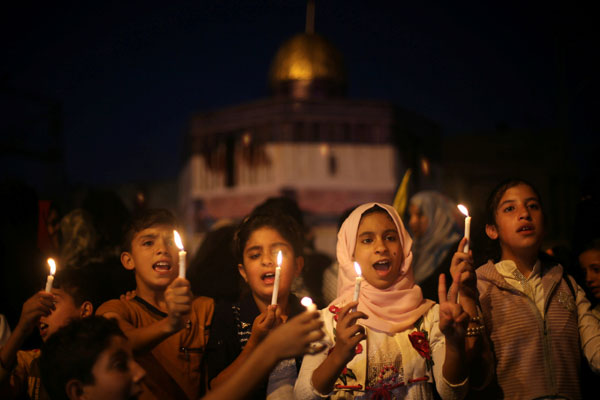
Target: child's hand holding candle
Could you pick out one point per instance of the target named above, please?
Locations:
(316, 346)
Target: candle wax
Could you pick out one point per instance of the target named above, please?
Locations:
(357, 288)
(49, 282)
(182, 255)
(467, 233)
(276, 286)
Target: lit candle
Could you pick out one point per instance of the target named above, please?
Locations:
(50, 279)
(277, 274)
(464, 210)
(357, 281)
(308, 303)
(182, 254)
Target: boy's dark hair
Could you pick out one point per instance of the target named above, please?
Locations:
(146, 219)
(496, 195)
(282, 223)
(72, 351)
(81, 284)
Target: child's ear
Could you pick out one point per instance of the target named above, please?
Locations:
(74, 389)
(86, 309)
(299, 266)
(127, 260)
(491, 231)
(242, 271)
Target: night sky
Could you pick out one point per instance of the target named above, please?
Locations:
(128, 76)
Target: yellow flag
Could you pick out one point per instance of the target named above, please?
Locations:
(402, 194)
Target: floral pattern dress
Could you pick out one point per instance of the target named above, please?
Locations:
(404, 365)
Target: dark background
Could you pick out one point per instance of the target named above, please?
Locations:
(104, 90)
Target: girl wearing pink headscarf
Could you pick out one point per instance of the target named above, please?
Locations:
(404, 344)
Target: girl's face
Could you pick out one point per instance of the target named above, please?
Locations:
(590, 263)
(260, 261)
(378, 250)
(519, 221)
(418, 222)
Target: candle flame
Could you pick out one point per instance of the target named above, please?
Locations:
(52, 265)
(357, 269)
(279, 258)
(306, 301)
(178, 241)
(463, 210)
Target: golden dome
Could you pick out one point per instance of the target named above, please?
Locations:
(307, 57)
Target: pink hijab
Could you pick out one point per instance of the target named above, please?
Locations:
(390, 310)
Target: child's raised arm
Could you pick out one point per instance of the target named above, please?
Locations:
(38, 305)
(462, 272)
(453, 324)
(287, 340)
(178, 299)
(263, 324)
(478, 350)
(347, 336)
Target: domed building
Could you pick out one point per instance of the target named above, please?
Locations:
(307, 141)
(306, 66)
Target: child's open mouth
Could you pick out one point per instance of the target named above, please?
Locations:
(526, 228)
(162, 267)
(268, 278)
(43, 329)
(382, 267)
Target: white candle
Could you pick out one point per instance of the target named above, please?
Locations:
(308, 303)
(50, 278)
(311, 307)
(182, 254)
(277, 275)
(357, 281)
(464, 210)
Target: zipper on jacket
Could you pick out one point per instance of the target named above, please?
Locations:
(547, 343)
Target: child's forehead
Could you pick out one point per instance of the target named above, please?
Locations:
(265, 235)
(519, 192)
(377, 220)
(62, 294)
(155, 230)
(115, 346)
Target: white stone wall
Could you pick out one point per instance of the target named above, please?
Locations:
(363, 173)
(301, 165)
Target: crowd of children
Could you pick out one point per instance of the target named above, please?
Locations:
(517, 327)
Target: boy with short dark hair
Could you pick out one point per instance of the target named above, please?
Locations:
(72, 297)
(92, 359)
(167, 328)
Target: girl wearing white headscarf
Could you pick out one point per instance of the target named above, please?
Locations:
(400, 348)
